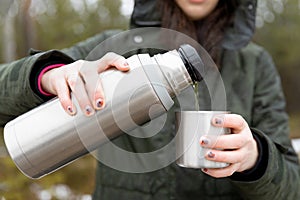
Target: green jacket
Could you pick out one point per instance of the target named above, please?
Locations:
(253, 90)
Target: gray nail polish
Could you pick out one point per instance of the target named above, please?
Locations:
(204, 141)
(218, 120)
(99, 103)
(88, 110)
(70, 109)
(211, 155)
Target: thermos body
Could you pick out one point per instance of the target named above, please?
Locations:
(46, 138)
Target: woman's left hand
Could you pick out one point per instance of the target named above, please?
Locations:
(240, 148)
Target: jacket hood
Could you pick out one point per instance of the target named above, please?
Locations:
(145, 14)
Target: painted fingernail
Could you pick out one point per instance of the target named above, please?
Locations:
(88, 110)
(204, 170)
(211, 155)
(204, 141)
(99, 103)
(70, 110)
(218, 120)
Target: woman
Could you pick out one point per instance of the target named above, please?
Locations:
(263, 164)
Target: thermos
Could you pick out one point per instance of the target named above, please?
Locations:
(46, 138)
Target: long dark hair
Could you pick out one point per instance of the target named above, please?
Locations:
(208, 32)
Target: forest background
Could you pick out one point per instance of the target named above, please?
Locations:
(55, 24)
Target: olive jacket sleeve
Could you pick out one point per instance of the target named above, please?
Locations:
(17, 83)
(18, 79)
(277, 175)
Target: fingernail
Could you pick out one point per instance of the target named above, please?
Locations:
(99, 103)
(204, 170)
(70, 110)
(88, 110)
(218, 120)
(126, 63)
(211, 155)
(204, 141)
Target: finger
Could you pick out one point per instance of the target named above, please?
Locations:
(95, 91)
(112, 59)
(236, 122)
(78, 89)
(229, 141)
(221, 172)
(63, 94)
(92, 84)
(232, 157)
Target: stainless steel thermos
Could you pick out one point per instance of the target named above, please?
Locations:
(46, 138)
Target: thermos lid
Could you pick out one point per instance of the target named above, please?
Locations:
(192, 62)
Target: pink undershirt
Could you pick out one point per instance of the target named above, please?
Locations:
(40, 78)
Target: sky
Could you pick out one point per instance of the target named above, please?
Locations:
(127, 7)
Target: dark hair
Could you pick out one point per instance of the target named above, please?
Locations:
(209, 31)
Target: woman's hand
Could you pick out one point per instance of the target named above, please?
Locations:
(240, 148)
(82, 79)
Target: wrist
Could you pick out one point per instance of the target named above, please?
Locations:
(259, 166)
(40, 76)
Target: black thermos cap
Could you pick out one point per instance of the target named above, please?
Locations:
(192, 62)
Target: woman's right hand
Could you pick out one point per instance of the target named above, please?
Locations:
(82, 79)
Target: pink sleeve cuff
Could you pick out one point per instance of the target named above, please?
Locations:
(40, 78)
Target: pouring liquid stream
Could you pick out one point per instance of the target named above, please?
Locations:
(196, 95)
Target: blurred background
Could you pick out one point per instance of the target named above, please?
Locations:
(55, 24)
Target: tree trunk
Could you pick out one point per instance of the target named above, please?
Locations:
(27, 27)
(9, 47)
